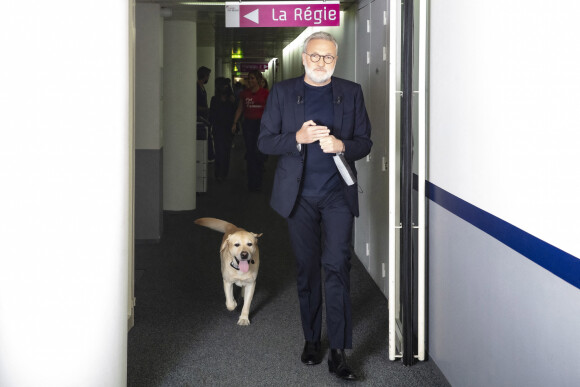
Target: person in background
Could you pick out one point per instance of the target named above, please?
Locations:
(251, 105)
(202, 107)
(306, 122)
(238, 88)
(264, 84)
(221, 115)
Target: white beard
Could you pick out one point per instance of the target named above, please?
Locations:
(318, 76)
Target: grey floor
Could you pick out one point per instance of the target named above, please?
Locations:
(185, 336)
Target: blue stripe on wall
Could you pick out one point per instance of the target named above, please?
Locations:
(551, 258)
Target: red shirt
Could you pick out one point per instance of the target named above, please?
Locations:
(254, 103)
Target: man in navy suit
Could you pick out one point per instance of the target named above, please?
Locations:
(307, 121)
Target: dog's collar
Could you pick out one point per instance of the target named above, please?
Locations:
(237, 264)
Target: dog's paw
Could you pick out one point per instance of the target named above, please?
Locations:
(244, 321)
(231, 306)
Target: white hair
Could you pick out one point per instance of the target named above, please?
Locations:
(320, 35)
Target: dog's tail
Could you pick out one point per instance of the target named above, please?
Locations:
(216, 224)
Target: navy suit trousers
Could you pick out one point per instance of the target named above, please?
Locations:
(320, 232)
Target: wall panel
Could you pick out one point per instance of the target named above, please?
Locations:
(503, 133)
(504, 102)
(148, 123)
(378, 185)
(362, 223)
(66, 178)
(495, 318)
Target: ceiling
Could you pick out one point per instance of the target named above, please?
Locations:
(257, 44)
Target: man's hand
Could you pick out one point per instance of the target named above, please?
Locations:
(310, 132)
(331, 144)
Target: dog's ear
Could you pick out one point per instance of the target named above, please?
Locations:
(257, 235)
(225, 244)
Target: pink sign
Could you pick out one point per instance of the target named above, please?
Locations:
(283, 14)
(248, 66)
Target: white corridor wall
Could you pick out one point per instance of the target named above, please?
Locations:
(504, 130)
(65, 176)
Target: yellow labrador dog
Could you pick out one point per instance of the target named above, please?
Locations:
(240, 262)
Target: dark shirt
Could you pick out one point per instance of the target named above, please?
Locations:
(202, 102)
(221, 116)
(320, 173)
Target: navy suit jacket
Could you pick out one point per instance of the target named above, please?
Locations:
(284, 116)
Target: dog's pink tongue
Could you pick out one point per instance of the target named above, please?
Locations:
(244, 266)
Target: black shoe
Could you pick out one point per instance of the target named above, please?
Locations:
(311, 354)
(337, 365)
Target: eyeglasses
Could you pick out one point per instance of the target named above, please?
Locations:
(328, 59)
